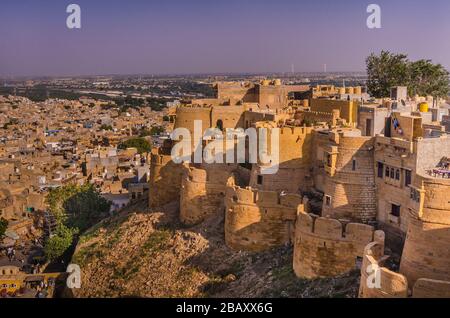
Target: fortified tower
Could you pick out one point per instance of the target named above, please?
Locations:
(258, 220)
(426, 253)
(349, 187)
(425, 263)
(203, 190)
(293, 176)
(165, 178)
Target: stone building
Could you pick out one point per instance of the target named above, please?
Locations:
(362, 177)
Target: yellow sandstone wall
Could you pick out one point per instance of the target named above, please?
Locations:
(348, 109)
(326, 247)
(295, 149)
(230, 116)
(392, 284)
(352, 192)
(259, 220)
(203, 191)
(165, 179)
(426, 253)
(186, 115)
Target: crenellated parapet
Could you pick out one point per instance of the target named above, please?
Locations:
(330, 118)
(258, 220)
(328, 247)
(203, 190)
(378, 281)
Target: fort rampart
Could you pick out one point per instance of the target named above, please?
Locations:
(426, 252)
(165, 179)
(389, 284)
(258, 220)
(203, 191)
(327, 247)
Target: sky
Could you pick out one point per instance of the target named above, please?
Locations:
(214, 36)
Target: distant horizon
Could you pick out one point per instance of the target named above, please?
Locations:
(183, 74)
(177, 37)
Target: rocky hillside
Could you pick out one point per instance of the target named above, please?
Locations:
(150, 254)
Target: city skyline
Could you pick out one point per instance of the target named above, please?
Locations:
(199, 37)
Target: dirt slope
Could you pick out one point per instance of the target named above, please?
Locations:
(143, 254)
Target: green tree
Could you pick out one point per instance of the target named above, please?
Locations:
(77, 206)
(385, 71)
(3, 227)
(86, 208)
(422, 77)
(426, 78)
(58, 244)
(140, 144)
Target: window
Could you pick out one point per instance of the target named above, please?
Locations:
(387, 172)
(395, 210)
(397, 174)
(328, 200)
(259, 179)
(407, 178)
(328, 156)
(4, 286)
(354, 164)
(392, 173)
(380, 170)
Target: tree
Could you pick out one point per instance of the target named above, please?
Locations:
(86, 208)
(77, 206)
(426, 78)
(58, 244)
(3, 227)
(140, 144)
(385, 71)
(422, 77)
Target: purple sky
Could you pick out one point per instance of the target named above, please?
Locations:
(214, 36)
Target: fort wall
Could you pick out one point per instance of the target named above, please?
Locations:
(392, 284)
(203, 191)
(227, 116)
(327, 247)
(293, 176)
(349, 186)
(348, 109)
(165, 179)
(186, 115)
(259, 220)
(234, 92)
(317, 116)
(426, 252)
